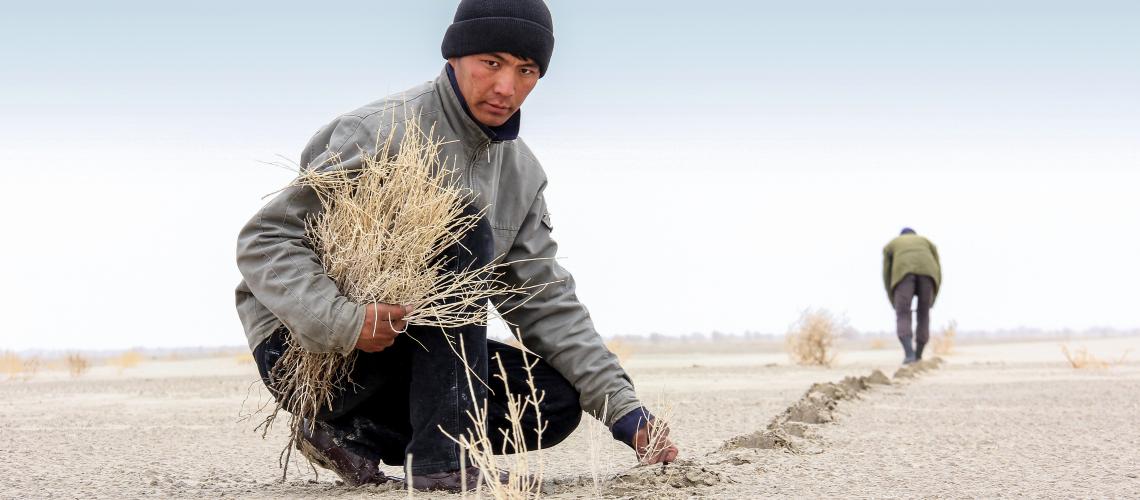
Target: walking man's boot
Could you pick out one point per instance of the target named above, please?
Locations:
(908, 350)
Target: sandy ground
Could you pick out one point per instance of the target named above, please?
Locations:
(996, 420)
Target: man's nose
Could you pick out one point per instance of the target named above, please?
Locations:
(505, 84)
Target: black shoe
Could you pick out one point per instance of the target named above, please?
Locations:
(918, 347)
(321, 448)
(447, 481)
(451, 481)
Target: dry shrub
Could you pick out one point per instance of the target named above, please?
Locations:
(596, 434)
(1081, 358)
(878, 344)
(243, 359)
(811, 341)
(77, 364)
(129, 359)
(943, 342)
(659, 427)
(621, 349)
(11, 364)
(523, 477)
(381, 236)
(20, 368)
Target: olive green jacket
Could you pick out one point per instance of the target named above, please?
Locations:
(284, 282)
(910, 254)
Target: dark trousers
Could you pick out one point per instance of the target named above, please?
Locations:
(400, 398)
(914, 285)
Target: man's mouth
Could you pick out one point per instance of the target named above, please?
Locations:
(497, 109)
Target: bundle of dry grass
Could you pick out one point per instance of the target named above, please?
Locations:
(811, 341)
(943, 343)
(381, 236)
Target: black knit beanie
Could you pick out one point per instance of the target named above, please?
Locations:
(518, 27)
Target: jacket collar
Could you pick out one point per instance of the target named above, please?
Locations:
(508, 131)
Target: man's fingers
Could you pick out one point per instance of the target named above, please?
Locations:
(393, 313)
(666, 455)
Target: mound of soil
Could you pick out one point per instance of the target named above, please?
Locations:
(795, 425)
(646, 481)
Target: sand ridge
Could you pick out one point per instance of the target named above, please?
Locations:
(792, 431)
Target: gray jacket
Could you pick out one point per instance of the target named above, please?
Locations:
(284, 283)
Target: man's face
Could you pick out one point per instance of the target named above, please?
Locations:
(494, 85)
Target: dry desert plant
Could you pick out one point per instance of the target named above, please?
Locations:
(659, 428)
(523, 477)
(943, 342)
(77, 364)
(878, 344)
(1081, 358)
(129, 359)
(11, 364)
(594, 436)
(811, 341)
(381, 235)
(17, 367)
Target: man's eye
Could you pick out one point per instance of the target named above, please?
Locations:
(527, 71)
(493, 64)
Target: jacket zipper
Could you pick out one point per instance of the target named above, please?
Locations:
(469, 173)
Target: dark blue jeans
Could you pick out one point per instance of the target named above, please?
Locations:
(401, 397)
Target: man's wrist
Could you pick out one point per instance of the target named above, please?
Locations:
(625, 428)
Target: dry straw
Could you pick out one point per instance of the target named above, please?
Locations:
(516, 478)
(657, 439)
(381, 235)
(18, 368)
(77, 364)
(1081, 359)
(811, 341)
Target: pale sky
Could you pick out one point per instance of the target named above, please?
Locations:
(712, 168)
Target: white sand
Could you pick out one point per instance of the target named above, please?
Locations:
(998, 420)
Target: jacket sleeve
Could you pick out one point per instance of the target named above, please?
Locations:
(557, 327)
(282, 270)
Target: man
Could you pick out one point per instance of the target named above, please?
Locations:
(404, 393)
(911, 268)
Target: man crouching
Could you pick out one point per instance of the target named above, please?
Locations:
(405, 393)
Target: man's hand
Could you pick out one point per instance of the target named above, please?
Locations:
(660, 450)
(382, 323)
